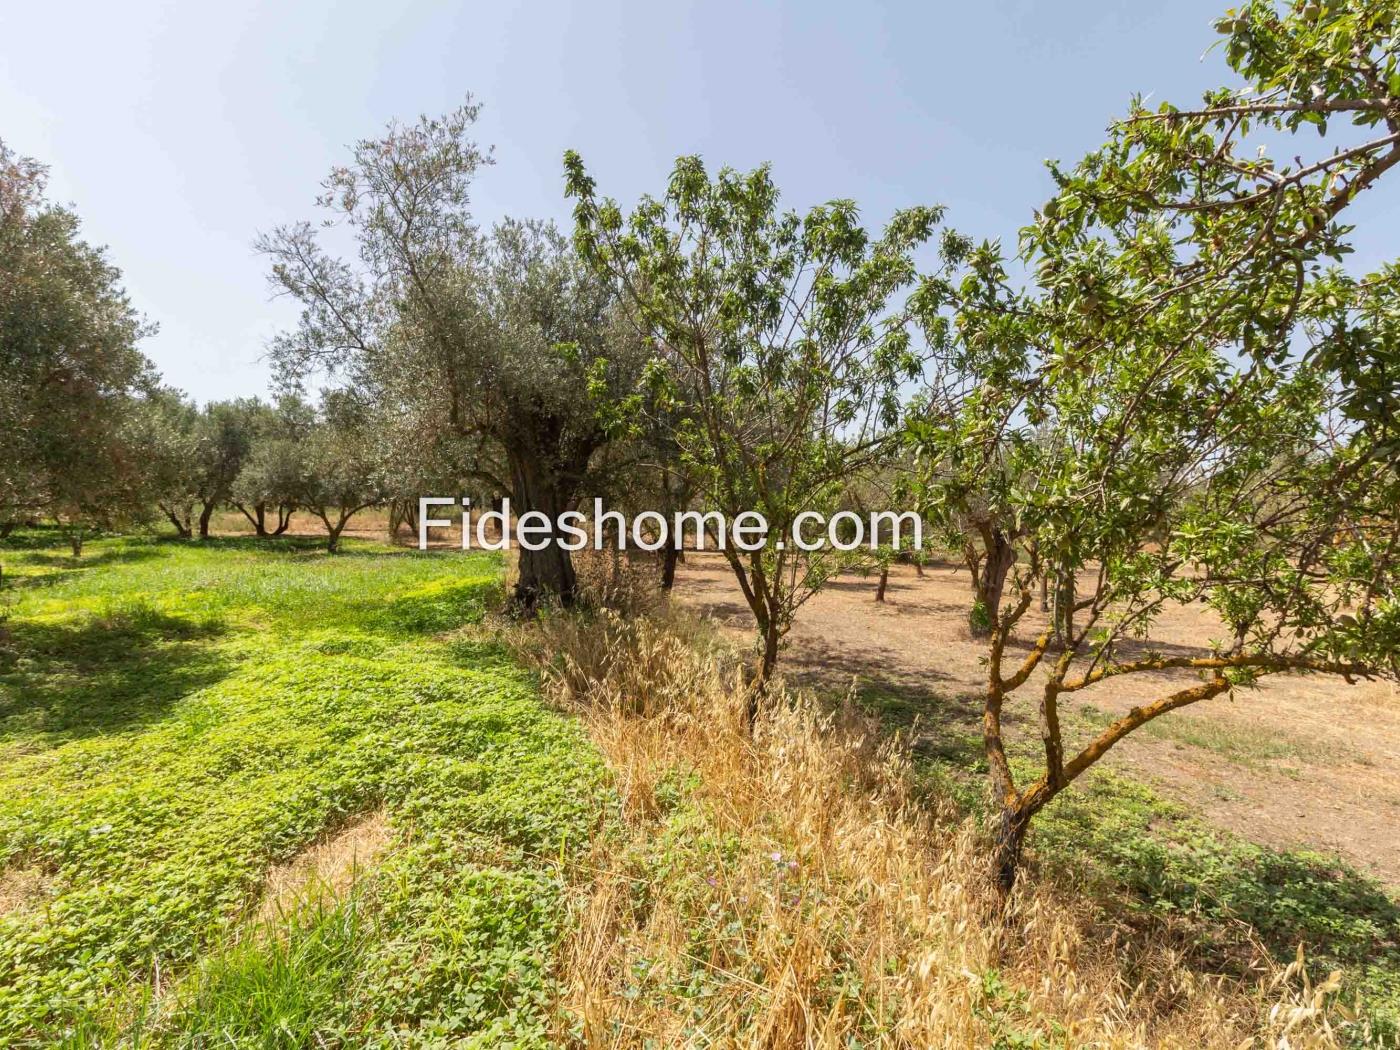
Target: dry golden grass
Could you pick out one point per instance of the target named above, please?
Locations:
(22, 886)
(785, 890)
(326, 870)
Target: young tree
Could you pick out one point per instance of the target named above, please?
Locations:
(781, 326)
(499, 338)
(71, 376)
(1170, 418)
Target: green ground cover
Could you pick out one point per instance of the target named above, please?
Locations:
(176, 717)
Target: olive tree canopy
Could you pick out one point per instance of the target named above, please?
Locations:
(500, 337)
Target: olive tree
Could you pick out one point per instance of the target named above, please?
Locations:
(71, 376)
(1190, 406)
(226, 431)
(781, 339)
(499, 337)
(271, 472)
(172, 457)
(341, 471)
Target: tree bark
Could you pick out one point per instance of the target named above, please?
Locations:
(75, 540)
(1000, 555)
(204, 516)
(548, 573)
(884, 582)
(6, 527)
(1006, 857)
(670, 555)
(1065, 595)
(182, 527)
(768, 660)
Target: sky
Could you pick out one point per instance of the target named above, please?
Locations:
(179, 131)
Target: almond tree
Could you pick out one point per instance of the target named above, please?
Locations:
(789, 339)
(1194, 404)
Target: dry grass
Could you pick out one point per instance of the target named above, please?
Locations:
(22, 886)
(325, 871)
(787, 891)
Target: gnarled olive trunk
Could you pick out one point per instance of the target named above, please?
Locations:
(539, 485)
(257, 517)
(1010, 838)
(180, 518)
(204, 516)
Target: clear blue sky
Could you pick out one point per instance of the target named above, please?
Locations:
(179, 130)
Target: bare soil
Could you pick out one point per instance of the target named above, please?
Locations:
(1301, 761)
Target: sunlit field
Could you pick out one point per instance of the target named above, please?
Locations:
(180, 724)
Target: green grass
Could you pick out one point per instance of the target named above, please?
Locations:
(175, 717)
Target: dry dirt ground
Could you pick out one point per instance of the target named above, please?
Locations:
(1300, 761)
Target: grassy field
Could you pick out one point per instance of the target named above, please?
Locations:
(183, 725)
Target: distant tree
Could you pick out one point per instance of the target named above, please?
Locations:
(71, 377)
(499, 338)
(271, 472)
(172, 456)
(271, 480)
(1192, 406)
(227, 430)
(782, 326)
(342, 474)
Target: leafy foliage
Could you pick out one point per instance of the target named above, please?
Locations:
(777, 356)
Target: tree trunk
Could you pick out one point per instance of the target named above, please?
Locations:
(1006, 857)
(1065, 594)
(182, 528)
(204, 516)
(670, 555)
(284, 518)
(1000, 556)
(884, 582)
(75, 540)
(6, 527)
(547, 573)
(768, 660)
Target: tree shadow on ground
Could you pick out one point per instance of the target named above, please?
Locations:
(102, 674)
(64, 564)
